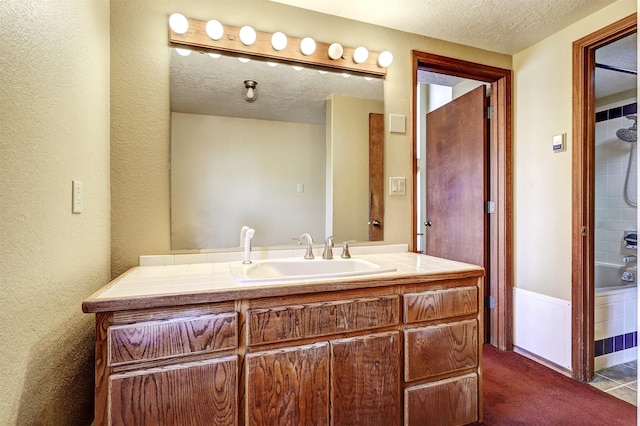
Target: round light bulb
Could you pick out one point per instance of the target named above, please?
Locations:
(335, 51)
(214, 29)
(279, 41)
(385, 59)
(247, 35)
(183, 52)
(244, 60)
(272, 64)
(360, 55)
(178, 23)
(250, 93)
(307, 46)
(298, 68)
(215, 55)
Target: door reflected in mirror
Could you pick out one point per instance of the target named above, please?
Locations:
(295, 160)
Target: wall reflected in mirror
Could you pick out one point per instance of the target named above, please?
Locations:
(295, 160)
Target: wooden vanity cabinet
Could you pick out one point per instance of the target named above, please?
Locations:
(162, 366)
(407, 353)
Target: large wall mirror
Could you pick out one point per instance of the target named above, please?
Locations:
(295, 160)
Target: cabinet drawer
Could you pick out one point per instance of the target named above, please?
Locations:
(440, 349)
(445, 402)
(283, 323)
(152, 340)
(439, 304)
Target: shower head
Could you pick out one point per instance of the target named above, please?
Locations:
(630, 134)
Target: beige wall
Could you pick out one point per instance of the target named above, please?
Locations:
(140, 106)
(349, 139)
(54, 128)
(260, 162)
(542, 179)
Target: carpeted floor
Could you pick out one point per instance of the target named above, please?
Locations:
(519, 391)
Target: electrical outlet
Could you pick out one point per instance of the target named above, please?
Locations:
(76, 202)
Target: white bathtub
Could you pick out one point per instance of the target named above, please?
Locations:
(608, 278)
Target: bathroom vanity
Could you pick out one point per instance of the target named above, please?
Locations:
(186, 344)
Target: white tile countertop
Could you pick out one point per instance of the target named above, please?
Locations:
(179, 284)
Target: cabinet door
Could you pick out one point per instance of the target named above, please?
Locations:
(288, 386)
(196, 393)
(365, 380)
(451, 401)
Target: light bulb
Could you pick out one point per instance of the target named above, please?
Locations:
(183, 52)
(244, 60)
(215, 55)
(247, 35)
(178, 23)
(360, 55)
(385, 59)
(214, 29)
(250, 93)
(279, 41)
(307, 46)
(335, 51)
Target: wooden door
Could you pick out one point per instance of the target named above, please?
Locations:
(288, 386)
(365, 380)
(376, 177)
(457, 179)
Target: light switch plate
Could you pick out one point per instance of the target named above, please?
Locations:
(397, 123)
(559, 142)
(397, 186)
(76, 202)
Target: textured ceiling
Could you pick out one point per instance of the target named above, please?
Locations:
(505, 26)
(201, 84)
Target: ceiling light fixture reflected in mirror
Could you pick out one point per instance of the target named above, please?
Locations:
(250, 92)
(183, 52)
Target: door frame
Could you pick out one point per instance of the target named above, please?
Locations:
(500, 277)
(583, 193)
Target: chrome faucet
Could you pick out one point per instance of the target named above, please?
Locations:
(307, 236)
(630, 258)
(248, 235)
(328, 248)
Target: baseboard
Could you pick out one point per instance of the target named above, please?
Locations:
(543, 361)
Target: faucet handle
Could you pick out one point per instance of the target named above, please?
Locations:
(328, 248)
(345, 249)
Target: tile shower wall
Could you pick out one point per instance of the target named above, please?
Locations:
(615, 330)
(613, 215)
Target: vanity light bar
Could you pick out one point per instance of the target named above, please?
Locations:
(196, 36)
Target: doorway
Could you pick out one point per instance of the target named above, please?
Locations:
(584, 190)
(498, 264)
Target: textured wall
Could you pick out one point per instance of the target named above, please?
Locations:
(140, 106)
(54, 128)
(542, 188)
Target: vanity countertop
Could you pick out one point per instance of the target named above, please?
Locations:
(145, 287)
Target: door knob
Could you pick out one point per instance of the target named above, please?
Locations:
(427, 223)
(376, 223)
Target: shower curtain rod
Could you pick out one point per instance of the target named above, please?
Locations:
(612, 68)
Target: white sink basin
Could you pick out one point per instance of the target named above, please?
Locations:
(303, 269)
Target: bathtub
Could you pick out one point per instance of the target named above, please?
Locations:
(608, 278)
